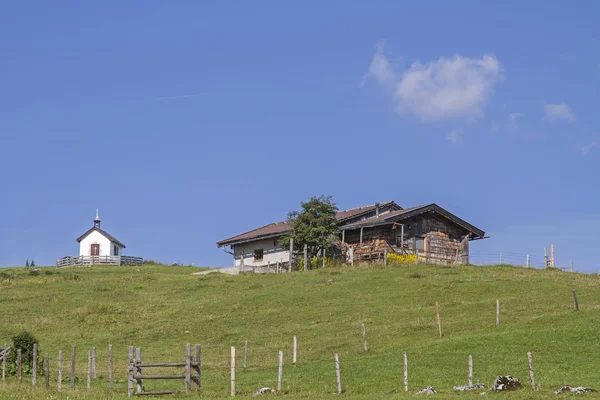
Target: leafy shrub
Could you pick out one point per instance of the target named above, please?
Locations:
(315, 263)
(6, 275)
(34, 272)
(25, 342)
(48, 272)
(401, 258)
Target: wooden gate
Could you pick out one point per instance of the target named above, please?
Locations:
(137, 377)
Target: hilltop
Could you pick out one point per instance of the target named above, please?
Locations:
(162, 308)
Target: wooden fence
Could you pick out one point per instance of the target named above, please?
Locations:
(98, 260)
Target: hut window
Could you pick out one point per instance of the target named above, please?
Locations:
(258, 255)
(420, 243)
(115, 250)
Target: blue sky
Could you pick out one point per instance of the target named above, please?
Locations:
(189, 122)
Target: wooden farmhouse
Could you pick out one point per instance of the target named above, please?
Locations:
(97, 246)
(429, 232)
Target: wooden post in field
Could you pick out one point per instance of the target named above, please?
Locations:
(416, 256)
(527, 261)
(47, 370)
(576, 303)
(385, 256)
(4, 363)
(337, 373)
(138, 370)
(323, 264)
(294, 351)
(89, 370)
(306, 265)
(405, 373)
(290, 263)
(364, 332)
(497, 312)
(545, 257)
(130, 373)
(530, 362)
(439, 321)
(232, 371)
(280, 373)
(552, 255)
(110, 367)
(470, 370)
(571, 267)
(197, 357)
(94, 362)
(59, 370)
(500, 258)
(34, 367)
(19, 366)
(188, 366)
(73, 350)
(246, 355)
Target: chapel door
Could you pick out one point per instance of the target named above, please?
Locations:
(95, 250)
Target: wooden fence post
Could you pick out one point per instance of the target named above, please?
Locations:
(34, 367)
(545, 257)
(337, 373)
(576, 303)
(552, 255)
(4, 363)
(94, 362)
(59, 370)
(19, 366)
(197, 362)
(294, 351)
(246, 355)
(530, 362)
(291, 261)
(500, 258)
(73, 352)
(405, 373)
(89, 370)
(571, 267)
(47, 370)
(497, 312)
(306, 262)
(470, 370)
(188, 366)
(138, 370)
(110, 367)
(364, 332)
(232, 371)
(527, 264)
(439, 322)
(385, 252)
(280, 373)
(323, 266)
(130, 373)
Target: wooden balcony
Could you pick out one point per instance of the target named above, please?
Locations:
(97, 260)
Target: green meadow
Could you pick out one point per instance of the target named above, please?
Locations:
(161, 308)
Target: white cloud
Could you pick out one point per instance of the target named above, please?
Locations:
(447, 88)
(380, 68)
(562, 111)
(455, 136)
(586, 149)
(513, 121)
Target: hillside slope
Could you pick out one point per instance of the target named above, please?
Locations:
(162, 308)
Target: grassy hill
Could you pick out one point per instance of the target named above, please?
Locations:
(162, 308)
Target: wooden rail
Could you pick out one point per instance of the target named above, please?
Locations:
(98, 260)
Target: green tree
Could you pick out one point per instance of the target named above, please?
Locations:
(314, 226)
(27, 263)
(32, 263)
